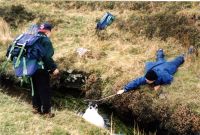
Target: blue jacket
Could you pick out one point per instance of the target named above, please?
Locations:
(163, 69)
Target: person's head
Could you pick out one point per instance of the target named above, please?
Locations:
(46, 28)
(151, 76)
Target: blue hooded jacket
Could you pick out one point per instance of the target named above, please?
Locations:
(162, 68)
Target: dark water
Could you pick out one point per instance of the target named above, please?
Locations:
(130, 122)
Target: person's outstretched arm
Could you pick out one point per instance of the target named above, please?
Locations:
(134, 84)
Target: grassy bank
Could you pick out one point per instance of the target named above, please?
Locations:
(17, 118)
(118, 54)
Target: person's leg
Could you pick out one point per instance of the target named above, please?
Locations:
(36, 102)
(160, 56)
(173, 65)
(44, 91)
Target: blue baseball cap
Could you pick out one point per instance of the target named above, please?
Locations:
(45, 26)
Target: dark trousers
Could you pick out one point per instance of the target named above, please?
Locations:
(42, 92)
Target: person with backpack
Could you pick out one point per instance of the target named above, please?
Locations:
(41, 78)
(31, 54)
(157, 73)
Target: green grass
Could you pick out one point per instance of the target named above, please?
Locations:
(117, 56)
(16, 118)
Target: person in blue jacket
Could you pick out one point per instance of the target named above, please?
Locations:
(157, 73)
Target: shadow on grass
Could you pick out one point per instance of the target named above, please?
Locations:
(68, 95)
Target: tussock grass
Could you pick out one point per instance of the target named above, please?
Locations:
(117, 55)
(118, 59)
(5, 32)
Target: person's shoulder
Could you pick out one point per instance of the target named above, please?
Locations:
(43, 36)
(45, 39)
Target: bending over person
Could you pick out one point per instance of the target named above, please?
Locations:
(157, 73)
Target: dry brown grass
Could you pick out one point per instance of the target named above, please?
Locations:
(5, 32)
(116, 56)
(119, 58)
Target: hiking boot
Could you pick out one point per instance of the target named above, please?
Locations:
(191, 50)
(160, 54)
(49, 115)
(36, 111)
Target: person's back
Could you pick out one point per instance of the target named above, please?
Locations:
(164, 69)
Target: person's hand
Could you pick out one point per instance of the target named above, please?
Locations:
(56, 72)
(120, 91)
(156, 88)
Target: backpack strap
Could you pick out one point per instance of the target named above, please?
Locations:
(41, 63)
(13, 46)
(20, 54)
(5, 63)
(40, 35)
(32, 87)
(25, 72)
(25, 79)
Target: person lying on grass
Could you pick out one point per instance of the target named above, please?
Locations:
(157, 73)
